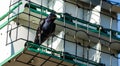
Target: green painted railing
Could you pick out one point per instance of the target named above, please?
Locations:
(43, 12)
(6, 22)
(42, 50)
(11, 18)
(8, 59)
(11, 10)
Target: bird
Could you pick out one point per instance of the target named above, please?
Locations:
(46, 29)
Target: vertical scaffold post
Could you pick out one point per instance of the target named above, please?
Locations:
(110, 40)
(52, 33)
(64, 10)
(8, 25)
(100, 28)
(29, 1)
(40, 20)
(75, 36)
(18, 21)
(88, 47)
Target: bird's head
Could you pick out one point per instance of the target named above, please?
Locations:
(52, 16)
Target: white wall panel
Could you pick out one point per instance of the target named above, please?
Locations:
(70, 8)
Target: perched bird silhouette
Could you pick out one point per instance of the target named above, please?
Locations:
(45, 29)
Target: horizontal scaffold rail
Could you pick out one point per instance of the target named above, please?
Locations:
(32, 51)
(16, 5)
(58, 54)
(42, 11)
(11, 10)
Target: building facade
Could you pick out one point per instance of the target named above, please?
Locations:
(85, 35)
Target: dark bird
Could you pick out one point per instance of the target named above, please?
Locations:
(102, 29)
(46, 29)
(67, 17)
